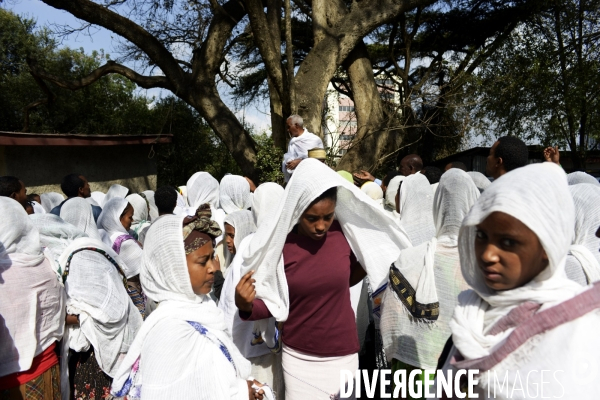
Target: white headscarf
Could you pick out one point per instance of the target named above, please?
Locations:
(110, 221)
(538, 196)
(202, 188)
(372, 190)
(78, 213)
(165, 280)
(480, 180)
(115, 191)
(375, 241)
(153, 209)
(390, 192)
(184, 195)
(577, 177)
(234, 194)
(266, 197)
(586, 246)
(31, 297)
(433, 272)
(108, 319)
(51, 200)
(243, 222)
(141, 213)
(416, 209)
(98, 198)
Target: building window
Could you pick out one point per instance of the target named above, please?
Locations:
(346, 137)
(347, 108)
(341, 152)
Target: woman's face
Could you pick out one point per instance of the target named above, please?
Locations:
(202, 265)
(508, 253)
(127, 217)
(229, 236)
(317, 219)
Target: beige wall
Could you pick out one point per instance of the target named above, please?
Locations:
(43, 167)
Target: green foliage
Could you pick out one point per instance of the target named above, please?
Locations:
(195, 147)
(268, 159)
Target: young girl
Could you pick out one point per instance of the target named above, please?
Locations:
(525, 326)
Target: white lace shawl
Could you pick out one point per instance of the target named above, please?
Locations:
(153, 209)
(373, 237)
(390, 193)
(169, 358)
(51, 200)
(539, 197)
(78, 212)
(433, 270)
(115, 191)
(416, 208)
(31, 298)
(578, 177)
(480, 180)
(234, 194)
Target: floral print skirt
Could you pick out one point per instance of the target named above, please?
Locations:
(88, 381)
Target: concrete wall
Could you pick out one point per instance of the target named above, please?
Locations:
(43, 167)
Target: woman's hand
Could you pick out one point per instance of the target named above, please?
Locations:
(71, 319)
(245, 293)
(255, 394)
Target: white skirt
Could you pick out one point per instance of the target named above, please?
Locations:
(312, 377)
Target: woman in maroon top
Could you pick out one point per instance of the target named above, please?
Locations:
(319, 337)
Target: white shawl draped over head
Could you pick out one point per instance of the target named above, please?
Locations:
(390, 192)
(32, 300)
(375, 241)
(141, 212)
(184, 195)
(298, 149)
(115, 191)
(480, 180)
(538, 196)
(372, 190)
(51, 200)
(266, 197)
(419, 341)
(234, 194)
(578, 177)
(165, 280)
(203, 188)
(108, 319)
(78, 213)
(243, 222)
(153, 209)
(98, 197)
(416, 208)
(586, 245)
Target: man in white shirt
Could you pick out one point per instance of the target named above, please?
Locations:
(301, 142)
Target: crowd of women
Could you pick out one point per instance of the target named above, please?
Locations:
(223, 290)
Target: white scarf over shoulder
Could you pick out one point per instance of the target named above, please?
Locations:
(110, 221)
(375, 240)
(169, 358)
(433, 271)
(298, 149)
(538, 196)
(51, 200)
(416, 208)
(78, 212)
(234, 194)
(586, 246)
(32, 301)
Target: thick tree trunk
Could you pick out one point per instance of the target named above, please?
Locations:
(278, 128)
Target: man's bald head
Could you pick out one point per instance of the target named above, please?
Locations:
(411, 164)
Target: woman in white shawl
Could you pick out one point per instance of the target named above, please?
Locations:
(524, 316)
(480, 180)
(583, 261)
(414, 203)
(141, 216)
(32, 310)
(153, 209)
(238, 225)
(182, 350)
(115, 191)
(389, 203)
(116, 219)
(266, 366)
(78, 213)
(374, 191)
(430, 275)
(578, 177)
(51, 200)
(368, 239)
(234, 194)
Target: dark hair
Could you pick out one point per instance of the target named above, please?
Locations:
(129, 206)
(32, 196)
(9, 185)
(459, 165)
(433, 174)
(513, 152)
(330, 194)
(165, 199)
(390, 175)
(71, 184)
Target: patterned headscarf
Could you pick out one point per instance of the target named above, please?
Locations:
(199, 229)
